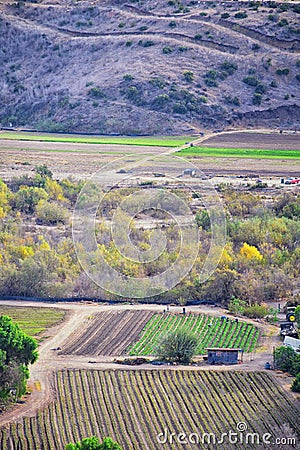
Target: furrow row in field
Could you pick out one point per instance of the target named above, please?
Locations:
(141, 409)
(106, 333)
(209, 331)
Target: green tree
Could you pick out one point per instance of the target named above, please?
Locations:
(236, 306)
(284, 358)
(177, 346)
(93, 443)
(297, 315)
(27, 198)
(17, 351)
(43, 171)
(296, 384)
(17, 345)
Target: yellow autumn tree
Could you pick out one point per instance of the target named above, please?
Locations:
(250, 252)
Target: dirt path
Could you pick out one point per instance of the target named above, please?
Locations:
(41, 373)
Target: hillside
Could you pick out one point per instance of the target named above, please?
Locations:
(144, 67)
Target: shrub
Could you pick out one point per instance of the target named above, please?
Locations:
(96, 92)
(182, 48)
(232, 100)
(167, 50)
(256, 311)
(128, 77)
(283, 23)
(188, 75)
(284, 71)
(27, 198)
(260, 88)
(160, 101)
(146, 43)
(177, 346)
(257, 99)
(157, 82)
(210, 78)
(241, 15)
(273, 84)
(225, 15)
(128, 43)
(172, 24)
(198, 37)
(298, 77)
(251, 81)
(228, 67)
(255, 47)
(179, 108)
(51, 213)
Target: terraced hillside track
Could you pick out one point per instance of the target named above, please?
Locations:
(106, 333)
(133, 407)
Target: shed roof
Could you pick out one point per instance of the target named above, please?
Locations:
(224, 349)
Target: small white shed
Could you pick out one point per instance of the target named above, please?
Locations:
(292, 342)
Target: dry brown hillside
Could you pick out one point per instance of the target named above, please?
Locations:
(149, 67)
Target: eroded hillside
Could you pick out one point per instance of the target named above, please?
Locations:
(144, 67)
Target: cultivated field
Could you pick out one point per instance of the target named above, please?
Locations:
(210, 332)
(80, 160)
(106, 333)
(138, 333)
(135, 406)
(34, 320)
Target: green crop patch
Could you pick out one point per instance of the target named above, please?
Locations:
(33, 320)
(209, 331)
(239, 153)
(147, 141)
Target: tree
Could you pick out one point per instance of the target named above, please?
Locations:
(43, 171)
(284, 358)
(17, 346)
(296, 384)
(297, 315)
(27, 198)
(17, 351)
(177, 346)
(93, 443)
(236, 306)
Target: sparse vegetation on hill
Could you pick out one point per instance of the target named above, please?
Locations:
(64, 66)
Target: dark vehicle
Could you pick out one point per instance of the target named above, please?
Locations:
(290, 313)
(288, 329)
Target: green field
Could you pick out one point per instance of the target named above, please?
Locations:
(210, 332)
(239, 153)
(33, 320)
(147, 141)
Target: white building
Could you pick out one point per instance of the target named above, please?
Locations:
(292, 342)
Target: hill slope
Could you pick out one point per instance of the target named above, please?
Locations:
(144, 67)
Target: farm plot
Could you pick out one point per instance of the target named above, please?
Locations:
(106, 333)
(210, 332)
(134, 407)
(33, 320)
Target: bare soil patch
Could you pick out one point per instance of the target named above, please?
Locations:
(254, 140)
(106, 333)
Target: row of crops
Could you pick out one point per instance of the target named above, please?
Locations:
(210, 332)
(134, 406)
